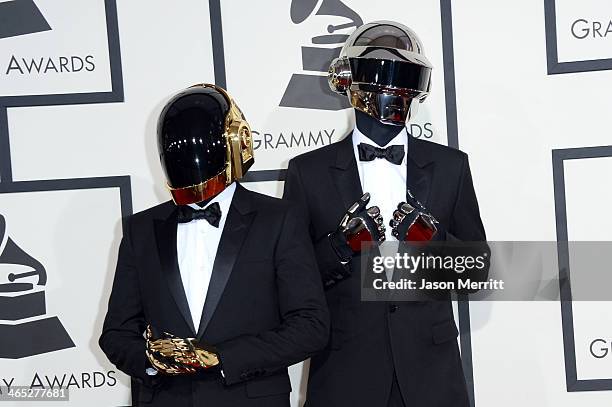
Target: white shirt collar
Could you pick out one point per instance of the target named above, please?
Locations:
(400, 138)
(224, 198)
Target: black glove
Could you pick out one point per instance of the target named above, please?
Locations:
(358, 225)
(413, 222)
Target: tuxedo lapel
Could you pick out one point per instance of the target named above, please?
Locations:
(419, 171)
(165, 230)
(345, 174)
(237, 225)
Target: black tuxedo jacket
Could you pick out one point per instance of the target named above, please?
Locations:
(265, 307)
(372, 340)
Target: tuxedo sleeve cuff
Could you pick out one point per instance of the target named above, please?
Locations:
(229, 369)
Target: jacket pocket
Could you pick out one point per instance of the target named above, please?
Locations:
(269, 385)
(444, 332)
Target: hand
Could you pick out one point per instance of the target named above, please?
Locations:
(173, 355)
(413, 222)
(358, 225)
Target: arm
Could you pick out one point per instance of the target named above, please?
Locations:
(122, 334)
(304, 324)
(465, 223)
(334, 251)
(412, 222)
(327, 260)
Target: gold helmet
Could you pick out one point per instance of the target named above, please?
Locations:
(204, 143)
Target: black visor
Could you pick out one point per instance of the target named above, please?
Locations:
(389, 73)
(190, 136)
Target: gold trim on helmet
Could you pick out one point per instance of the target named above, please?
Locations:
(199, 192)
(238, 136)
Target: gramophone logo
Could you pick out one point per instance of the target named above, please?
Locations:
(311, 91)
(25, 329)
(21, 17)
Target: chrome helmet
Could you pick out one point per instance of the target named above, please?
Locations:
(383, 70)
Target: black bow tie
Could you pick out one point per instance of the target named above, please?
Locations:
(212, 213)
(393, 154)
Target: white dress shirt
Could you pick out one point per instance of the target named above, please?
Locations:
(196, 248)
(385, 181)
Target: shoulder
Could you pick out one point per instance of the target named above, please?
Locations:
(269, 209)
(160, 211)
(264, 203)
(439, 153)
(315, 158)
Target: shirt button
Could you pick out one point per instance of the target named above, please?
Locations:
(393, 308)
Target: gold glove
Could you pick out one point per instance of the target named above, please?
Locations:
(173, 355)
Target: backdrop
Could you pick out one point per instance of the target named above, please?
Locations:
(522, 87)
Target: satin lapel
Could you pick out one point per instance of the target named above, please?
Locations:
(165, 230)
(345, 174)
(236, 228)
(419, 171)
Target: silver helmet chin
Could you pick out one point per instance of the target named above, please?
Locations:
(383, 70)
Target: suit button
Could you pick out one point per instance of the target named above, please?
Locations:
(393, 308)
